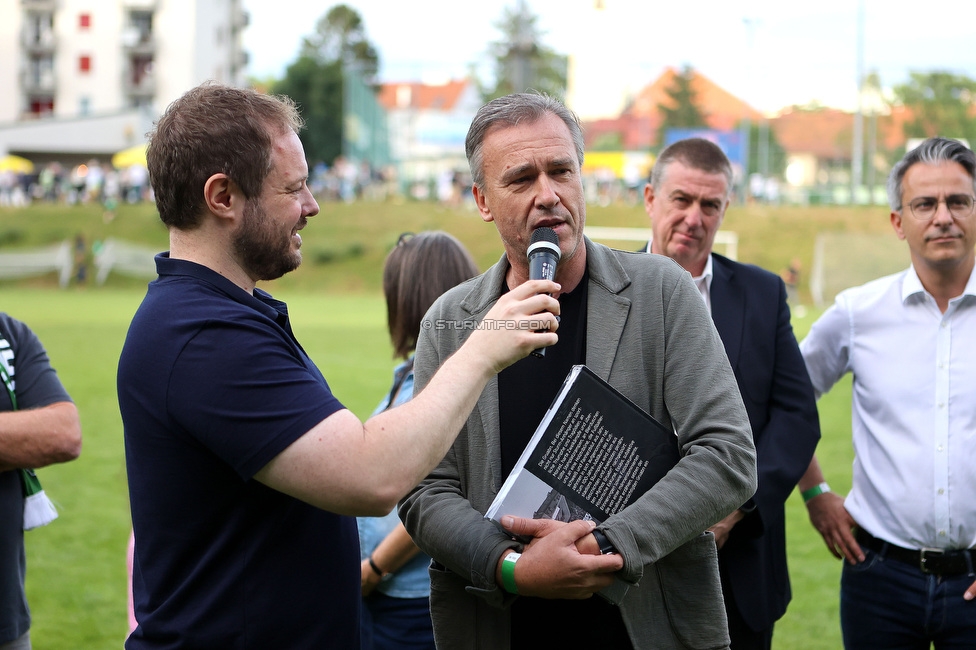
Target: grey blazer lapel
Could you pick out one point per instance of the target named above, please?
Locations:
(606, 309)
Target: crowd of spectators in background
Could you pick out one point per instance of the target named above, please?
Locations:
(345, 180)
(89, 182)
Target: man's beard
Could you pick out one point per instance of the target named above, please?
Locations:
(263, 250)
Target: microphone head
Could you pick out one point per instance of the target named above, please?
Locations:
(544, 238)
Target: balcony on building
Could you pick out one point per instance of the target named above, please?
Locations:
(39, 6)
(138, 81)
(241, 20)
(37, 107)
(137, 37)
(37, 35)
(38, 77)
(38, 42)
(136, 41)
(239, 63)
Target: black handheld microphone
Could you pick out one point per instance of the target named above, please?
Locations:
(543, 255)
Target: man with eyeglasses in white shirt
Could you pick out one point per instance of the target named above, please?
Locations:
(907, 529)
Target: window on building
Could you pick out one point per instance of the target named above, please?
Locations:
(84, 105)
(84, 21)
(84, 63)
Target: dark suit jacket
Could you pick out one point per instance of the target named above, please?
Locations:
(751, 315)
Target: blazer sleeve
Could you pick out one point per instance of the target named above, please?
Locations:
(787, 433)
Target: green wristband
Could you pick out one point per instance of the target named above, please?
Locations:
(508, 572)
(815, 491)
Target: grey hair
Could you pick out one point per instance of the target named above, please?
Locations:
(510, 110)
(696, 153)
(931, 152)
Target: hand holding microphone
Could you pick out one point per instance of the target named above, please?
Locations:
(543, 254)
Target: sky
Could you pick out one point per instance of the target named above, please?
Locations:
(770, 53)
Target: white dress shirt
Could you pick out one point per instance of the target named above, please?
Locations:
(704, 284)
(913, 407)
(703, 281)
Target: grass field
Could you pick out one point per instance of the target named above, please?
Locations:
(76, 566)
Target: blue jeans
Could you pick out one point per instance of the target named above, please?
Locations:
(890, 605)
(396, 623)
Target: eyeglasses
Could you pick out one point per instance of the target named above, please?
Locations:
(959, 206)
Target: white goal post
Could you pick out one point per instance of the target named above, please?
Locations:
(849, 259)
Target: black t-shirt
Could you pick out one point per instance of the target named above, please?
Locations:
(525, 391)
(527, 387)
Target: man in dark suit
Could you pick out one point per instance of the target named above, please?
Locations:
(686, 198)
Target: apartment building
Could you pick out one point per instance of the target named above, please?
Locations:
(82, 77)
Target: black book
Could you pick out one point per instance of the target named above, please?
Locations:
(594, 453)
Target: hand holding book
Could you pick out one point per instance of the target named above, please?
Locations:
(594, 453)
(551, 564)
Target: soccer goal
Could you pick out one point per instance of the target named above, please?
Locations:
(843, 259)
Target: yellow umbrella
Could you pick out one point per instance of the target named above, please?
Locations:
(129, 157)
(12, 163)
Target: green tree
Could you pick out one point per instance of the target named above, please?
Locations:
(941, 103)
(521, 61)
(317, 89)
(315, 79)
(681, 110)
(766, 154)
(340, 36)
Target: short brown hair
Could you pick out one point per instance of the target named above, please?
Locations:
(213, 129)
(696, 153)
(417, 271)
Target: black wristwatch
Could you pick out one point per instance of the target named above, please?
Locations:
(605, 546)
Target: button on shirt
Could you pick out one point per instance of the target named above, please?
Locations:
(913, 407)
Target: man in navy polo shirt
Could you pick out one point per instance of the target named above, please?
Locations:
(245, 472)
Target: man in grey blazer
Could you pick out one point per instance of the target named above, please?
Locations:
(638, 322)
